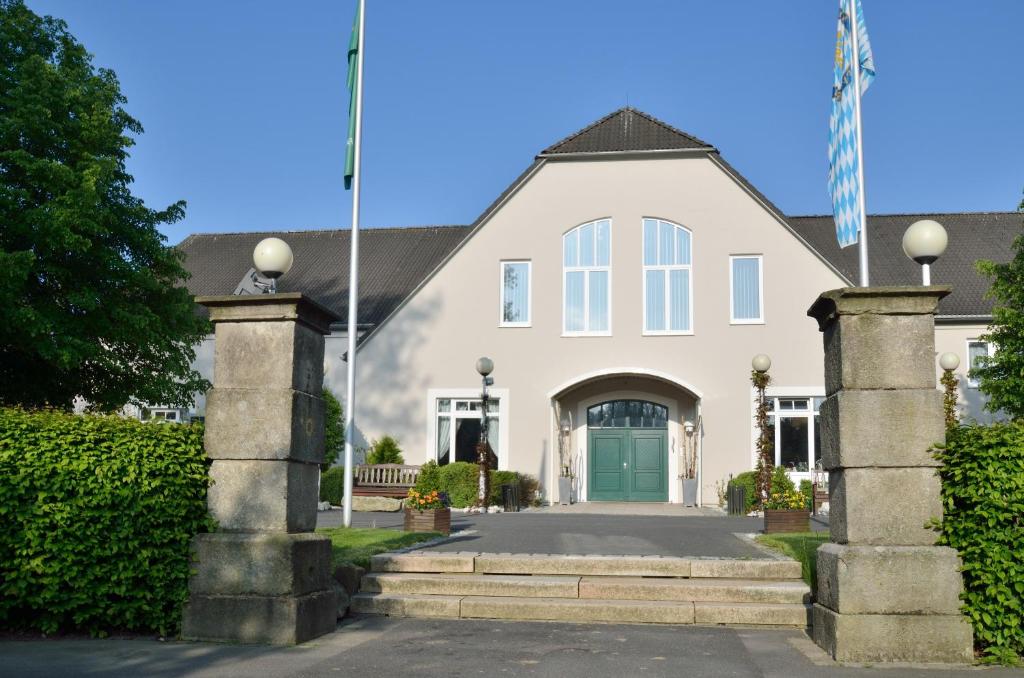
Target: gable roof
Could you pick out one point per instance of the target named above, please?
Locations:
(623, 131)
(392, 262)
(972, 236)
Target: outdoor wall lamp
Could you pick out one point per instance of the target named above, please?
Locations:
(689, 428)
(924, 242)
(761, 363)
(272, 259)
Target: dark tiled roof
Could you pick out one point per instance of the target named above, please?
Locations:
(392, 262)
(624, 130)
(972, 236)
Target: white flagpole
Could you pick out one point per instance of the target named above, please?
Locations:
(353, 274)
(863, 239)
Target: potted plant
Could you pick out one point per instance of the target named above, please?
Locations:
(688, 463)
(786, 511)
(566, 476)
(428, 512)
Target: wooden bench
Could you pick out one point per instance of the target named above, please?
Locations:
(384, 480)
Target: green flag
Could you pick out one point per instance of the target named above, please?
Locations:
(353, 76)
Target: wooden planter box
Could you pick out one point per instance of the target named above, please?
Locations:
(428, 520)
(786, 521)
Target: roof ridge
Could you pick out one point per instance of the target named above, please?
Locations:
(682, 140)
(586, 128)
(322, 230)
(664, 124)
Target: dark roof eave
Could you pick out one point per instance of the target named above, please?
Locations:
(963, 319)
(605, 154)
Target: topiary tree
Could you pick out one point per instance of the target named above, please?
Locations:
(92, 301)
(1001, 375)
(385, 451)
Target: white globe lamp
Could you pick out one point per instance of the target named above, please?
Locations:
(949, 361)
(924, 242)
(761, 363)
(272, 258)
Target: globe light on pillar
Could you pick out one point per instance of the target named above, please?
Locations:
(484, 366)
(760, 379)
(949, 362)
(272, 258)
(924, 242)
(761, 363)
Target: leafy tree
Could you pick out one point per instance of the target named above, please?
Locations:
(385, 451)
(1001, 376)
(91, 302)
(334, 429)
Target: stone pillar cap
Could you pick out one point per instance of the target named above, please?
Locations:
(895, 300)
(269, 308)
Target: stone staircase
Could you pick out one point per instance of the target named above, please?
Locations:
(628, 589)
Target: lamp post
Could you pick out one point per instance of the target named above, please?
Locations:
(484, 366)
(924, 242)
(272, 259)
(949, 362)
(760, 378)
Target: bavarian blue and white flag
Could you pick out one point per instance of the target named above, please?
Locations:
(843, 157)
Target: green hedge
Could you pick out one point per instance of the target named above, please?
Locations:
(97, 516)
(459, 481)
(983, 504)
(332, 485)
(747, 479)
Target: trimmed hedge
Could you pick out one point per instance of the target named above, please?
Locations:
(459, 480)
(983, 504)
(332, 485)
(97, 516)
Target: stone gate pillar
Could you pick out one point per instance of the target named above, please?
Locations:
(886, 593)
(263, 577)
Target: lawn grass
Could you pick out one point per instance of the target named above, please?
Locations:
(801, 546)
(356, 544)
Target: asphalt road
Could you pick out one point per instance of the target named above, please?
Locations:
(378, 646)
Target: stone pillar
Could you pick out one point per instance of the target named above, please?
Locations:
(264, 577)
(886, 593)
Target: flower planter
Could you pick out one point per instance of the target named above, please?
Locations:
(776, 520)
(565, 490)
(689, 491)
(428, 520)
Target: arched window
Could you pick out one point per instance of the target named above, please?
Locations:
(668, 278)
(627, 414)
(586, 279)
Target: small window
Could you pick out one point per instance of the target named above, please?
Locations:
(976, 350)
(515, 293)
(745, 282)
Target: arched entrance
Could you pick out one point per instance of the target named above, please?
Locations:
(627, 451)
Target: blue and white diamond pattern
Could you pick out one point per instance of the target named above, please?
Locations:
(843, 182)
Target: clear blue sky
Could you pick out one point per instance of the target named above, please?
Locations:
(244, 102)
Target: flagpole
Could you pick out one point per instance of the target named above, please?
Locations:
(353, 275)
(861, 201)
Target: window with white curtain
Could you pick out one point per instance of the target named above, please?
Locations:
(668, 289)
(746, 289)
(458, 428)
(976, 349)
(586, 279)
(515, 293)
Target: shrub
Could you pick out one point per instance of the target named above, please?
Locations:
(334, 429)
(97, 516)
(385, 451)
(748, 480)
(780, 481)
(983, 504)
(332, 485)
(529, 490)
(459, 480)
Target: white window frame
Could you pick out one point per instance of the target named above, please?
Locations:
(529, 293)
(776, 393)
(453, 394)
(733, 320)
(666, 268)
(586, 270)
(971, 382)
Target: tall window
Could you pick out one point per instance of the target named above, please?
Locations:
(515, 293)
(586, 279)
(975, 351)
(668, 292)
(793, 424)
(458, 428)
(745, 283)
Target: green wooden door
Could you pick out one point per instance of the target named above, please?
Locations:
(627, 464)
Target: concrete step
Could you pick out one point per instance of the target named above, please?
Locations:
(573, 610)
(695, 590)
(523, 586)
(618, 566)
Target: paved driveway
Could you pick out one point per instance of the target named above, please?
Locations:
(453, 648)
(709, 535)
